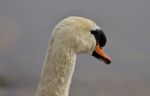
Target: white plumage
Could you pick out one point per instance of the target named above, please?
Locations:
(70, 37)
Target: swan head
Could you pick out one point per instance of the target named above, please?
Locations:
(80, 35)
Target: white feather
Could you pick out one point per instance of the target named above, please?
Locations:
(70, 37)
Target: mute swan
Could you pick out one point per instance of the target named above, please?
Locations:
(71, 36)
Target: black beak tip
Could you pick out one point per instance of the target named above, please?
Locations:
(107, 61)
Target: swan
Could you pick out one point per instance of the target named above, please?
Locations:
(71, 36)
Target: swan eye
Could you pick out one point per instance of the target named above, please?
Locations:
(93, 31)
(99, 36)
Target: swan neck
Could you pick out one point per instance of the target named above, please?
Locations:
(57, 73)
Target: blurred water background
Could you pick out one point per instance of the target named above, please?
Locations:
(25, 28)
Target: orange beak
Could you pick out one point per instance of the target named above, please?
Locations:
(100, 54)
